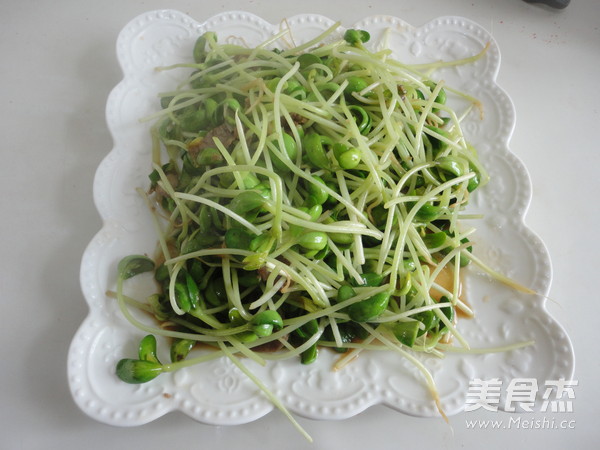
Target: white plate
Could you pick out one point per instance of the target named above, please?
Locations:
(216, 392)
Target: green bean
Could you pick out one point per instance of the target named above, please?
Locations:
(160, 310)
(264, 189)
(262, 243)
(309, 329)
(347, 333)
(215, 293)
(262, 330)
(308, 59)
(268, 317)
(448, 311)
(453, 166)
(406, 285)
(348, 158)
(190, 166)
(135, 371)
(327, 88)
(438, 145)
(192, 291)
(247, 204)
(441, 96)
(341, 238)
(362, 118)
(239, 238)
(180, 349)
(305, 332)
(316, 148)
(309, 355)
(355, 84)
(235, 317)
(199, 51)
(211, 107)
(227, 109)
(273, 83)
(345, 292)
(200, 240)
(379, 216)
(371, 279)
(464, 259)
(196, 270)
(147, 349)
(133, 265)
(315, 210)
(429, 320)
(316, 195)
(475, 181)
(193, 120)
(250, 180)
(370, 308)
(293, 87)
(428, 212)
(355, 37)
(161, 273)
(434, 240)
(246, 337)
(314, 240)
(182, 297)
(290, 152)
(209, 157)
(406, 332)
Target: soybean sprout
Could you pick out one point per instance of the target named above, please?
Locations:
(305, 199)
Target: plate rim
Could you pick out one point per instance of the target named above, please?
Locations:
(109, 225)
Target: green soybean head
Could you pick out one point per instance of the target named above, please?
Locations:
(135, 371)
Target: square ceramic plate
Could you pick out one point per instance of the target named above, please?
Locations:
(217, 392)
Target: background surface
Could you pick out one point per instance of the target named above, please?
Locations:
(58, 66)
